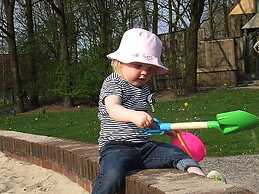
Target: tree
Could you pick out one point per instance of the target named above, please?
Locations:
(64, 52)
(154, 30)
(172, 29)
(191, 45)
(144, 14)
(34, 93)
(226, 10)
(12, 50)
(105, 8)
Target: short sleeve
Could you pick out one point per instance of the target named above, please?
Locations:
(110, 87)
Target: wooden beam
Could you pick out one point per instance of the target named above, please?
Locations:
(243, 7)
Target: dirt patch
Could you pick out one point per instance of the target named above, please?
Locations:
(165, 95)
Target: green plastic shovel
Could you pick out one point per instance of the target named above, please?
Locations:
(226, 122)
(234, 121)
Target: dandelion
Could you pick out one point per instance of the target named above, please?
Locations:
(36, 118)
(186, 104)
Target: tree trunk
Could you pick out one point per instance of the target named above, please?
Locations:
(65, 58)
(173, 80)
(34, 93)
(64, 55)
(211, 19)
(225, 9)
(18, 96)
(154, 30)
(191, 46)
(144, 14)
(105, 31)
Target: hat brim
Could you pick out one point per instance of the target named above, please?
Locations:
(160, 70)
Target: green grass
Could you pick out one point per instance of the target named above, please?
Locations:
(78, 125)
(83, 125)
(204, 107)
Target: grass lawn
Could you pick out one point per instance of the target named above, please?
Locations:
(83, 125)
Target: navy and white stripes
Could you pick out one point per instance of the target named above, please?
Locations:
(132, 98)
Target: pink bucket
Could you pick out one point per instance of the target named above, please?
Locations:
(190, 144)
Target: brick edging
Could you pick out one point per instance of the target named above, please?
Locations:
(79, 162)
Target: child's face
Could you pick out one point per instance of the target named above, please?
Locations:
(137, 73)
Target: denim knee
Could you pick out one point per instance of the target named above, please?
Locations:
(109, 183)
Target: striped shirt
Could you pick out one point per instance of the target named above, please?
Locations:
(132, 98)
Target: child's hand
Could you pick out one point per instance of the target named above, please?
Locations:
(142, 119)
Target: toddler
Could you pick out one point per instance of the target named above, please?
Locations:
(123, 113)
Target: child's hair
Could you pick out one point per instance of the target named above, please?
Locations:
(116, 66)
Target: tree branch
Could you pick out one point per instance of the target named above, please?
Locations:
(4, 30)
(2, 36)
(20, 3)
(54, 7)
(35, 2)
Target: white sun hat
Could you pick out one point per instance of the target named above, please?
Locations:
(139, 45)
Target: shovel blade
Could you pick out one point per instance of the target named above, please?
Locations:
(236, 120)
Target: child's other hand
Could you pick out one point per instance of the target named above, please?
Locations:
(142, 119)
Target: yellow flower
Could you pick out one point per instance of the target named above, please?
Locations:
(186, 104)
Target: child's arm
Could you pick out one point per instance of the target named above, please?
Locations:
(119, 113)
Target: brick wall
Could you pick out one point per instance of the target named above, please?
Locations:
(79, 162)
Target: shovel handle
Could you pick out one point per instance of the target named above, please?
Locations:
(190, 125)
(184, 125)
(161, 128)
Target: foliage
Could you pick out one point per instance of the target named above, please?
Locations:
(87, 76)
(91, 75)
(83, 125)
(91, 25)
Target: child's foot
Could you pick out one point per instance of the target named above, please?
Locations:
(195, 170)
(217, 176)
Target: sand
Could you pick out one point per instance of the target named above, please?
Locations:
(18, 177)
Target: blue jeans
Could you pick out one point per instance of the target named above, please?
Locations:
(117, 159)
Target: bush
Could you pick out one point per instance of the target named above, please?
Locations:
(86, 76)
